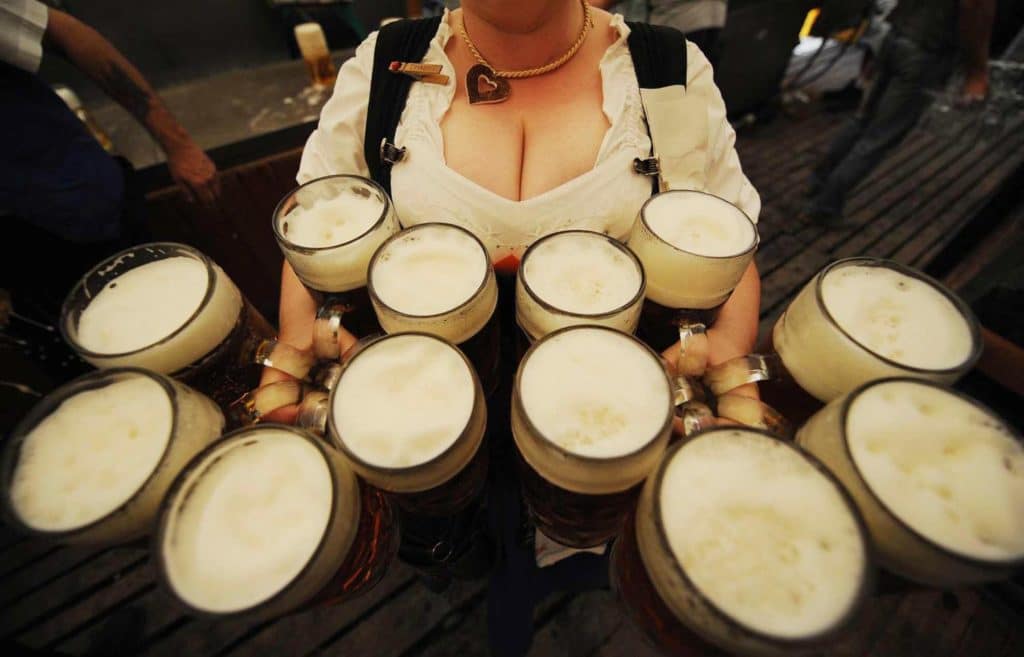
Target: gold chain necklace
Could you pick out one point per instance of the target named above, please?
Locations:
(484, 84)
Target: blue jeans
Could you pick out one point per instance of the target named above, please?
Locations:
(892, 107)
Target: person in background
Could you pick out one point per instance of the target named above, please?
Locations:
(700, 20)
(63, 198)
(918, 54)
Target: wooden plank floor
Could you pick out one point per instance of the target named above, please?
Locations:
(69, 600)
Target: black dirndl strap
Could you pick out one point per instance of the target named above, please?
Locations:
(404, 41)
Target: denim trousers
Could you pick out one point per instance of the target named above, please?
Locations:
(892, 107)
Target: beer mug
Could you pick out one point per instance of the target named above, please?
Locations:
(695, 248)
(328, 229)
(437, 278)
(269, 520)
(312, 43)
(578, 277)
(168, 308)
(591, 415)
(409, 415)
(938, 477)
(858, 320)
(90, 463)
(743, 541)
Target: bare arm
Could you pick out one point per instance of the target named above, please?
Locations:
(296, 313)
(89, 51)
(602, 4)
(975, 23)
(735, 331)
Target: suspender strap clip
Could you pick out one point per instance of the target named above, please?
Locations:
(647, 167)
(390, 153)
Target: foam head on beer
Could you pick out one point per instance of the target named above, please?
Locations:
(429, 270)
(897, 316)
(403, 401)
(700, 224)
(311, 40)
(143, 306)
(946, 467)
(582, 273)
(91, 455)
(594, 392)
(324, 221)
(162, 315)
(694, 248)
(248, 521)
(577, 272)
(762, 533)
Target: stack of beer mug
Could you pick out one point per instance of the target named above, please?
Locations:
(406, 411)
(746, 543)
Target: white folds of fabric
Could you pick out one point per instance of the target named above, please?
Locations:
(679, 129)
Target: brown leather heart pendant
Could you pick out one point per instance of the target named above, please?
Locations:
(483, 86)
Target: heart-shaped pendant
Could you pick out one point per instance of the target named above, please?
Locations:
(483, 86)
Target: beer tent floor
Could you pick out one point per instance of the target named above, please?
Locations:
(68, 600)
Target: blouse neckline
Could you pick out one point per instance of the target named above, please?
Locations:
(612, 104)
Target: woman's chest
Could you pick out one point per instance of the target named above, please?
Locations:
(548, 132)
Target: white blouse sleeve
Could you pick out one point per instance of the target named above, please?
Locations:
(336, 146)
(724, 175)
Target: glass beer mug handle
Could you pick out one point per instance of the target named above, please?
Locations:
(692, 359)
(252, 406)
(695, 416)
(284, 357)
(326, 376)
(754, 413)
(313, 412)
(327, 330)
(742, 370)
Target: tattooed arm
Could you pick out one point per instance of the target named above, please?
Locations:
(86, 48)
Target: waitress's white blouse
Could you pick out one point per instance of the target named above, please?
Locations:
(606, 199)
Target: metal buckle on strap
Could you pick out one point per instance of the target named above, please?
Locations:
(647, 167)
(390, 153)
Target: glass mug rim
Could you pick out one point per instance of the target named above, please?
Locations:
(335, 436)
(65, 313)
(958, 304)
(753, 245)
(549, 307)
(226, 443)
(531, 428)
(488, 267)
(48, 405)
(844, 413)
(867, 576)
(279, 213)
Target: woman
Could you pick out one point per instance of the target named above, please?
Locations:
(557, 153)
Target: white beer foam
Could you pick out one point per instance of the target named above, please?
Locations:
(91, 454)
(762, 533)
(594, 392)
(582, 273)
(403, 401)
(897, 316)
(699, 224)
(143, 306)
(250, 524)
(943, 466)
(332, 221)
(429, 270)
